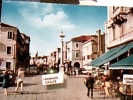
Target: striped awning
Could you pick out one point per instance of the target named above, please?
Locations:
(126, 63)
(122, 67)
(112, 54)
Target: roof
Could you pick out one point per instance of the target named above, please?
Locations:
(82, 38)
(90, 41)
(6, 25)
(26, 36)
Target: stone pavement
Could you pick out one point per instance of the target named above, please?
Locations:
(72, 89)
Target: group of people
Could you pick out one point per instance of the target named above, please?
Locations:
(6, 80)
(90, 81)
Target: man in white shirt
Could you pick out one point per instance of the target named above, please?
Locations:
(20, 80)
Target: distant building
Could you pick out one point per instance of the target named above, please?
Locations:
(54, 58)
(14, 48)
(39, 61)
(93, 48)
(74, 50)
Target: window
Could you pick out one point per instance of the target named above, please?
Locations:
(77, 55)
(83, 58)
(68, 49)
(10, 35)
(113, 28)
(88, 57)
(8, 65)
(9, 49)
(76, 44)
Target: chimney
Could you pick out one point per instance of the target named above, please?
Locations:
(99, 42)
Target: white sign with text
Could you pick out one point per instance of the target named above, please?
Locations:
(128, 79)
(50, 79)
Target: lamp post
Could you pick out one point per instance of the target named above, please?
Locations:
(61, 69)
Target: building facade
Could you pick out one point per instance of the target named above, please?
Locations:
(90, 50)
(119, 31)
(94, 47)
(14, 48)
(54, 58)
(119, 27)
(74, 50)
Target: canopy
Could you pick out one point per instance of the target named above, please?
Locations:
(126, 63)
(111, 54)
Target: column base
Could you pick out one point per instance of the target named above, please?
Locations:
(61, 68)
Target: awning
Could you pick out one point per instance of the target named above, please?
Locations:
(106, 55)
(126, 63)
(112, 54)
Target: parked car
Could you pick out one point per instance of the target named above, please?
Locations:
(33, 71)
(83, 71)
(11, 75)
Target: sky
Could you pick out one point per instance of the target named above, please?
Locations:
(44, 21)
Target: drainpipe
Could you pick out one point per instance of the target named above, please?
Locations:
(14, 59)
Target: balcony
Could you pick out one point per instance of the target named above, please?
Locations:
(119, 16)
(119, 11)
(118, 20)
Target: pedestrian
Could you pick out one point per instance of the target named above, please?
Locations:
(5, 83)
(20, 80)
(89, 82)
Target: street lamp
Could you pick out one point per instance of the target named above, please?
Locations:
(61, 70)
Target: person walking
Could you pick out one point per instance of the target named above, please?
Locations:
(5, 83)
(20, 80)
(90, 85)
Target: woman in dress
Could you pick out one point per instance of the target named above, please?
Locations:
(5, 84)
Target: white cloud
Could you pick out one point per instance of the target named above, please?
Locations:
(46, 17)
(43, 23)
(49, 8)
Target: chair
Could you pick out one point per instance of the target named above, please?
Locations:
(108, 89)
(120, 95)
(97, 87)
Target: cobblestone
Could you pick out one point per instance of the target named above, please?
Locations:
(72, 89)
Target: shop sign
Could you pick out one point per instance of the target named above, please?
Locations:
(128, 79)
(50, 79)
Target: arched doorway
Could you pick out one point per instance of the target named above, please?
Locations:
(77, 64)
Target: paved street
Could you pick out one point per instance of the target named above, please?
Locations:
(72, 89)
